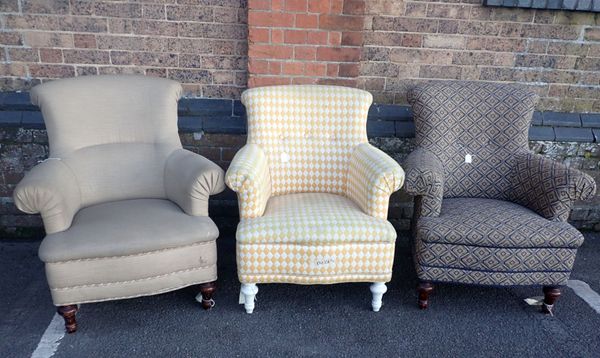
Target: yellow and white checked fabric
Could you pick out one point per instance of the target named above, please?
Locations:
(314, 238)
(313, 193)
(300, 264)
(314, 219)
(308, 133)
(372, 177)
(248, 175)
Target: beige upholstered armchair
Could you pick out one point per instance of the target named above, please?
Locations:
(487, 210)
(313, 193)
(125, 208)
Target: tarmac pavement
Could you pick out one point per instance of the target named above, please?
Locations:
(294, 320)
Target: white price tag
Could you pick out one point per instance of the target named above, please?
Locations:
(468, 158)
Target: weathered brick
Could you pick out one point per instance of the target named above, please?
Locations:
(436, 41)
(592, 34)
(190, 76)
(340, 54)
(86, 56)
(9, 6)
(424, 56)
(50, 55)
(189, 13)
(442, 72)
(448, 11)
(23, 54)
(352, 38)
(51, 71)
(84, 40)
(47, 39)
(45, 7)
(144, 59)
(341, 23)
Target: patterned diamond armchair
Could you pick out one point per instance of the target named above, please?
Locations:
(487, 210)
(313, 193)
(124, 206)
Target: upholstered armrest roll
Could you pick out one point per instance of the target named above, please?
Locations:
(372, 177)
(190, 179)
(248, 175)
(548, 187)
(50, 189)
(425, 178)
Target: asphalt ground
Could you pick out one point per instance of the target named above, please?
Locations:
(294, 320)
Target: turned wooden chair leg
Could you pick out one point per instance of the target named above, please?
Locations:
(207, 290)
(551, 295)
(68, 314)
(424, 289)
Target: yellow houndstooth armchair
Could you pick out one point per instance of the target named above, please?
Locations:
(313, 193)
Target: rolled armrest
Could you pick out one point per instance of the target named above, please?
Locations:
(190, 179)
(425, 178)
(548, 187)
(248, 175)
(50, 189)
(372, 177)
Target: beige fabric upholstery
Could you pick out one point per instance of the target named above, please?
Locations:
(129, 248)
(118, 277)
(118, 192)
(126, 227)
(190, 179)
(51, 189)
(313, 193)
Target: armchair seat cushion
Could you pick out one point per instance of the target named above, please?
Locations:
(495, 223)
(314, 219)
(129, 248)
(126, 227)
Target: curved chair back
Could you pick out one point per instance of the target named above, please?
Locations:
(308, 133)
(484, 123)
(113, 132)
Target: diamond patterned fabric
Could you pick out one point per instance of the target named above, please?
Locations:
(313, 192)
(493, 226)
(488, 121)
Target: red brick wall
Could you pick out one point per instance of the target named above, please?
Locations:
(304, 41)
(202, 44)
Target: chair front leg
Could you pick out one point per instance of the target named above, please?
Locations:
(424, 289)
(68, 314)
(551, 295)
(377, 289)
(248, 293)
(207, 290)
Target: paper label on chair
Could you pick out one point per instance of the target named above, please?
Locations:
(323, 261)
(468, 158)
(285, 157)
(242, 299)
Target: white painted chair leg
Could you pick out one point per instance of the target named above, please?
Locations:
(248, 295)
(377, 289)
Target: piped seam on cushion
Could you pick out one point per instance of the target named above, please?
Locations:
(504, 247)
(131, 255)
(492, 271)
(169, 289)
(131, 281)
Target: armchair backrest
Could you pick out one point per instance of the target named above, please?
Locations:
(308, 133)
(487, 121)
(113, 132)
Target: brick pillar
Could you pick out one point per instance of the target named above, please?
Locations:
(304, 41)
